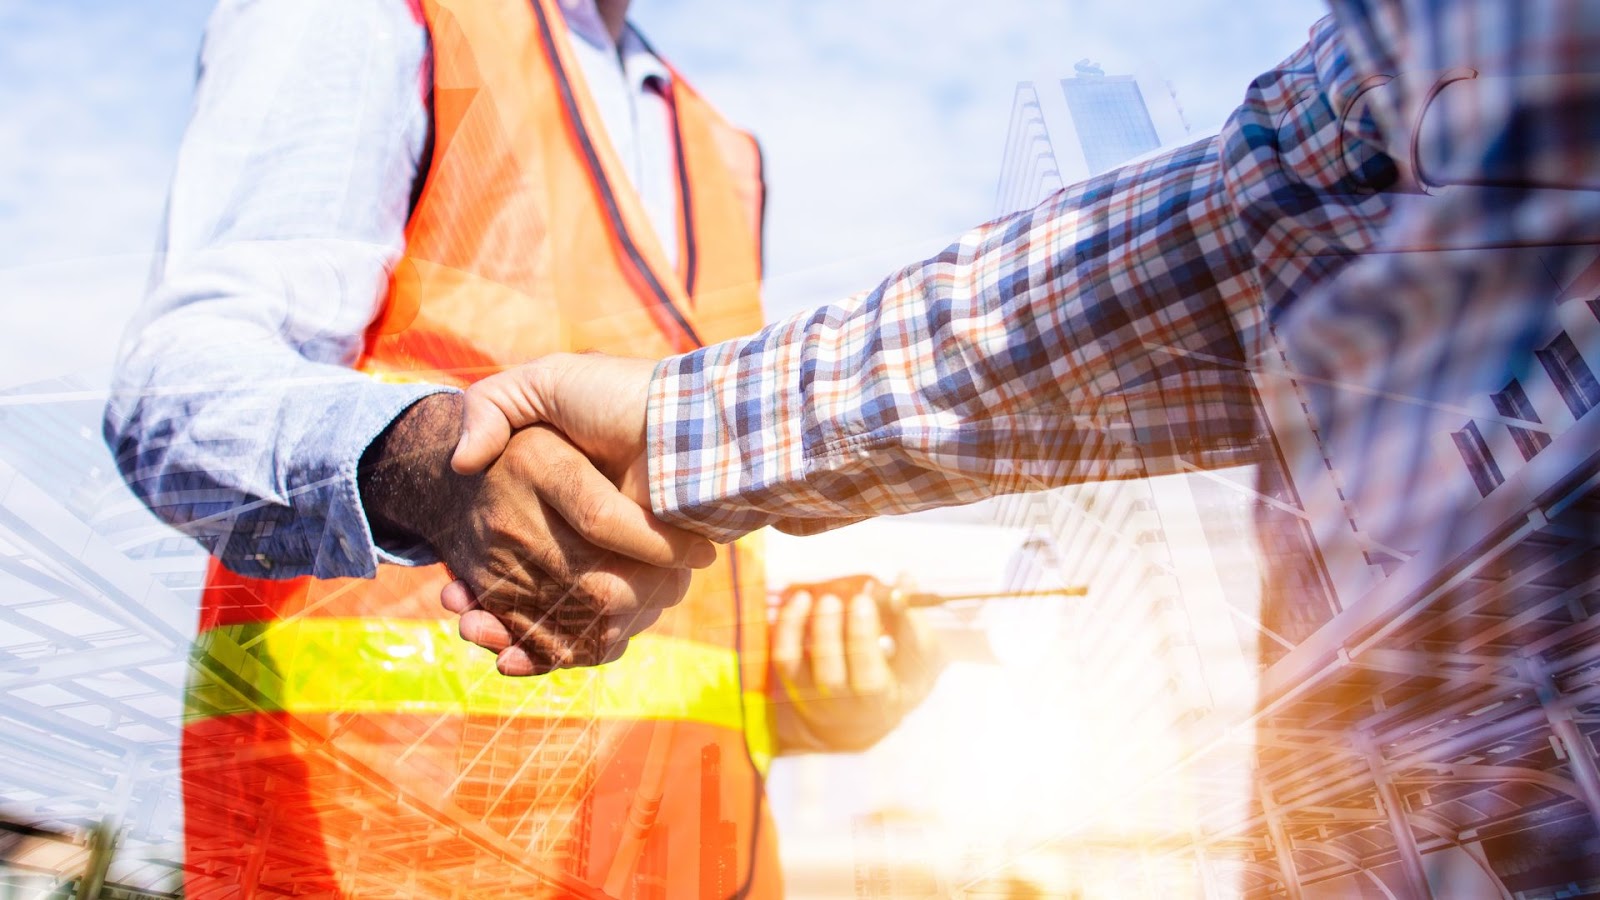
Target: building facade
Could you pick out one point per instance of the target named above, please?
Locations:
(1415, 724)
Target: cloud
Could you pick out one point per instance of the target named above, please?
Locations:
(95, 97)
(884, 123)
(96, 94)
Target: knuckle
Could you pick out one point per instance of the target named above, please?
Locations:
(595, 516)
(499, 524)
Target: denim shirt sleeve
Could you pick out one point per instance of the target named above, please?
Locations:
(234, 413)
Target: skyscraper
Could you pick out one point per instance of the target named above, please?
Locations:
(1064, 130)
(1111, 116)
(1425, 725)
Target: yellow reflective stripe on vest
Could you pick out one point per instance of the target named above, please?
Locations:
(422, 666)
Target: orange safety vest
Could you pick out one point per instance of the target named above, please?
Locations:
(340, 739)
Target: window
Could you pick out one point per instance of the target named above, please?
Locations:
(1475, 452)
(1112, 120)
(1573, 377)
(1512, 402)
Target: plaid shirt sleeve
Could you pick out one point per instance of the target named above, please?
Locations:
(1102, 334)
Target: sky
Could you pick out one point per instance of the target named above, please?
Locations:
(882, 123)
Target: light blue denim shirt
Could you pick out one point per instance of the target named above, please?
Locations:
(234, 412)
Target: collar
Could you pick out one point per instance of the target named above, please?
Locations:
(640, 65)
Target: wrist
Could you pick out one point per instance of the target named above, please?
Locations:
(404, 476)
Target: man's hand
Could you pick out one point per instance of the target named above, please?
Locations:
(850, 661)
(557, 568)
(597, 401)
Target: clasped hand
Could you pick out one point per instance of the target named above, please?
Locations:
(848, 658)
(615, 566)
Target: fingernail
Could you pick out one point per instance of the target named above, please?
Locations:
(703, 555)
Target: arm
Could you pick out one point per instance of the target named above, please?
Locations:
(1103, 334)
(234, 414)
(1473, 285)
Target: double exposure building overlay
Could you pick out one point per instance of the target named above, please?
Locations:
(1385, 726)
(98, 602)
(97, 605)
(1408, 727)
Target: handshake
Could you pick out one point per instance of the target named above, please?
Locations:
(542, 515)
(532, 488)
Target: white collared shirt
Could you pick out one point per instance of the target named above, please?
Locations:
(633, 103)
(234, 412)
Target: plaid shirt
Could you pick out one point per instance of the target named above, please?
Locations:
(1319, 254)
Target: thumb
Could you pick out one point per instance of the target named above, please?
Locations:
(490, 411)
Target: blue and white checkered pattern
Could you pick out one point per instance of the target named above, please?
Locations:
(1103, 334)
(1380, 233)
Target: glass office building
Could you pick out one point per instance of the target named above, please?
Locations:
(1112, 119)
(1415, 725)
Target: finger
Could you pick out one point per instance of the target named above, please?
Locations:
(615, 651)
(617, 588)
(826, 647)
(618, 629)
(457, 597)
(517, 661)
(917, 660)
(789, 639)
(551, 634)
(526, 658)
(544, 650)
(483, 628)
(605, 517)
(564, 569)
(491, 410)
(869, 668)
(608, 583)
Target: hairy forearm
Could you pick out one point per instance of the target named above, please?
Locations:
(406, 484)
